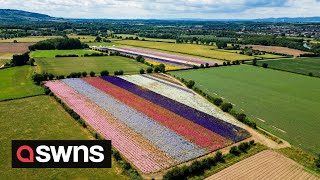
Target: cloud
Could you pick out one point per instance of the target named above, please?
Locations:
(167, 8)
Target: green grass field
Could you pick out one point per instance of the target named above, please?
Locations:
(65, 66)
(191, 49)
(30, 39)
(16, 83)
(285, 104)
(41, 118)
(299, 65)
(53, 53)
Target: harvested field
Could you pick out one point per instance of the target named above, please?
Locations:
(14, 47)
(264, 165)
(276, 49)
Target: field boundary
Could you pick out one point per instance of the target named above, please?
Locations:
(273, 68)
(11, 99)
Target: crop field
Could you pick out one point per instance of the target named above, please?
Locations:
(191, 49)
(168, 66)
(148, 39)
(149, 120)
(269, 56)
(83, 38)
(6, 56)
(18, 48)
(29, 39)
(65, 66)
(276, 49)
(285, 104)
(53, 53)
(165, 58)
(16, 83)
(264, 165)
(3, 61)
(298, 65)
(41, 118)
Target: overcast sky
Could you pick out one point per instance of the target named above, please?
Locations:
(168, 9)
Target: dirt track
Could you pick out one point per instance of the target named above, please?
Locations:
(264, 165)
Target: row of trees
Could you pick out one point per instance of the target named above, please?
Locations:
(58, 43)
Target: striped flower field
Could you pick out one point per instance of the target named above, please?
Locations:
(153, 128)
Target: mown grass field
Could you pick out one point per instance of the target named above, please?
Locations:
(16, 83)
(191, 49)
(41, 118)
(65, 66)
(29, 39)
(53, 53)
(283, 103)
(299, 65)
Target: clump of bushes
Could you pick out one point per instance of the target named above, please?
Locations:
(118, 73)
(242, 148)
(226, 107)
(265, 65)
(95, 54)
(104, 73)
(67, 55)
(140, 58)
(196, 168)
(149, 70)
(141, 71)
(317, 162)
(92, 74)
(126, 166)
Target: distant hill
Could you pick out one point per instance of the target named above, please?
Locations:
(290, 19)
(11, 15)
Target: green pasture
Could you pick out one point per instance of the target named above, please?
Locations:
(286, 104)
(53, 53)
(16, 82)
(298, 65)
(41, 118)
(65, 66)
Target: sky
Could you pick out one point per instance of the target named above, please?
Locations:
(168, 9)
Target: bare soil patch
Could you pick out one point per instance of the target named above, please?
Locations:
(276, 49)
(14, 47)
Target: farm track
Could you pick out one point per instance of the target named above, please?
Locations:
(264, 165)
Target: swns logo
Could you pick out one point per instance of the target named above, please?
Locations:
(61, 154)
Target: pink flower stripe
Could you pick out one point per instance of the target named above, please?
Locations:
(194, 132)
(144, 155)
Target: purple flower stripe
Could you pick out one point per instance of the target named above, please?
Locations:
(214, 124)
(170, 56)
